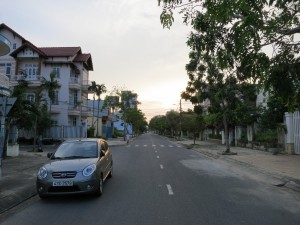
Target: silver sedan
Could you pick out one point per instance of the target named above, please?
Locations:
(77, 166)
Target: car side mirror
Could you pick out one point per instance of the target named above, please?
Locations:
(49, 155)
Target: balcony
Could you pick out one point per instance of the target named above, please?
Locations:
(55, 109)
(74, 110)
(86, 111)
(34, 80)
(77, 110)
(74, 83)
(85, 86)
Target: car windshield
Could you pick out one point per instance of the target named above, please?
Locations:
(71, 150)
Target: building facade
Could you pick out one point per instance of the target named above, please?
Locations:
(25, 61)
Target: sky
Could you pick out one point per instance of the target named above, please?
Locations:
(129, 47)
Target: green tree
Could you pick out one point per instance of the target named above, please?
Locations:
(239, 32)
(92, 88)
(227, 52)
(158, 123)
(112, 102)
(173, 122)
(136, 118)
(27, 114)
(193, 123)
(19, 114)
(228, 96)
(99, 89)
(51, 86)
(39, 112)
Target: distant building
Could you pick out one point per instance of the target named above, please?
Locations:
(262, 99)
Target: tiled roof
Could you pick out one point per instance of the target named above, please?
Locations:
(53, 51)
(82, 57)
(85, 58)
(2, 26)
(28, 45)
(61, 51)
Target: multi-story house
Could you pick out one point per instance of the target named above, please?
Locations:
(4, 80)
(69, 110)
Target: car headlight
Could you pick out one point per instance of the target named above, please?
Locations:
(42, 173)
(89, 170)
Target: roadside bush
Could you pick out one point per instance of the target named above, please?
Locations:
(117, 134)
(90, 132)
(215, 136)
(268, 135)
(25, 141)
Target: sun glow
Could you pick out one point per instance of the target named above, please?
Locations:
(161, 98)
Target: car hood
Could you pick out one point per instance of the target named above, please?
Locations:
(70, 164)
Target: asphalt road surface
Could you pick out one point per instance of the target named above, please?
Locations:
(156, 182)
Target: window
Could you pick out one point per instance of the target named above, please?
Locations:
(55, 100)
(14, 46)
(74, 121)
(31, 69)
(8, 68)
(56, 70)
(30, 97)
(75, 97)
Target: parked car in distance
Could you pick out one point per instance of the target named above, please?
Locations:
(77, 166)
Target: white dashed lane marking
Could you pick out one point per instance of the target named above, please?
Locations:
(170, 191)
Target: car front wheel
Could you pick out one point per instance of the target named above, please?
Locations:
(100, 187)
(110, 172)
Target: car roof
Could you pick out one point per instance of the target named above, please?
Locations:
(85, 140)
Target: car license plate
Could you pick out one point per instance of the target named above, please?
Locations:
(61, 183)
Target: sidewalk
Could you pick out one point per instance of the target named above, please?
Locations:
(279, 170)
(19, 174)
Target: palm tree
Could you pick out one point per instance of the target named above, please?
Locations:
(93, 89)
(51, 86)
(42, 116)
(99, 89)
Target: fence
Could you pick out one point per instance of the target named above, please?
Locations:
(296, 122)
(66, 132)
(58, 132)
(292, 122)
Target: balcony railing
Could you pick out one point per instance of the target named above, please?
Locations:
(74, 80)
(77, 110)
(26, 77)
(85, 85)
(74, 83)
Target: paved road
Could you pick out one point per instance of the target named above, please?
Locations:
(157, 182)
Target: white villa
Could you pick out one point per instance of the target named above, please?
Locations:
(25, 61)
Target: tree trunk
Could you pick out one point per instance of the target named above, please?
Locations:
(35, 134)
(5, 143)
(226, 133)
(98, 118)
(93, 114)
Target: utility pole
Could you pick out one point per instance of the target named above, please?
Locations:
(180, 119)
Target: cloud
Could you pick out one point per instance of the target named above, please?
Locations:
(128, 45)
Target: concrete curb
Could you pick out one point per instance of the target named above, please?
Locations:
(15, 198)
